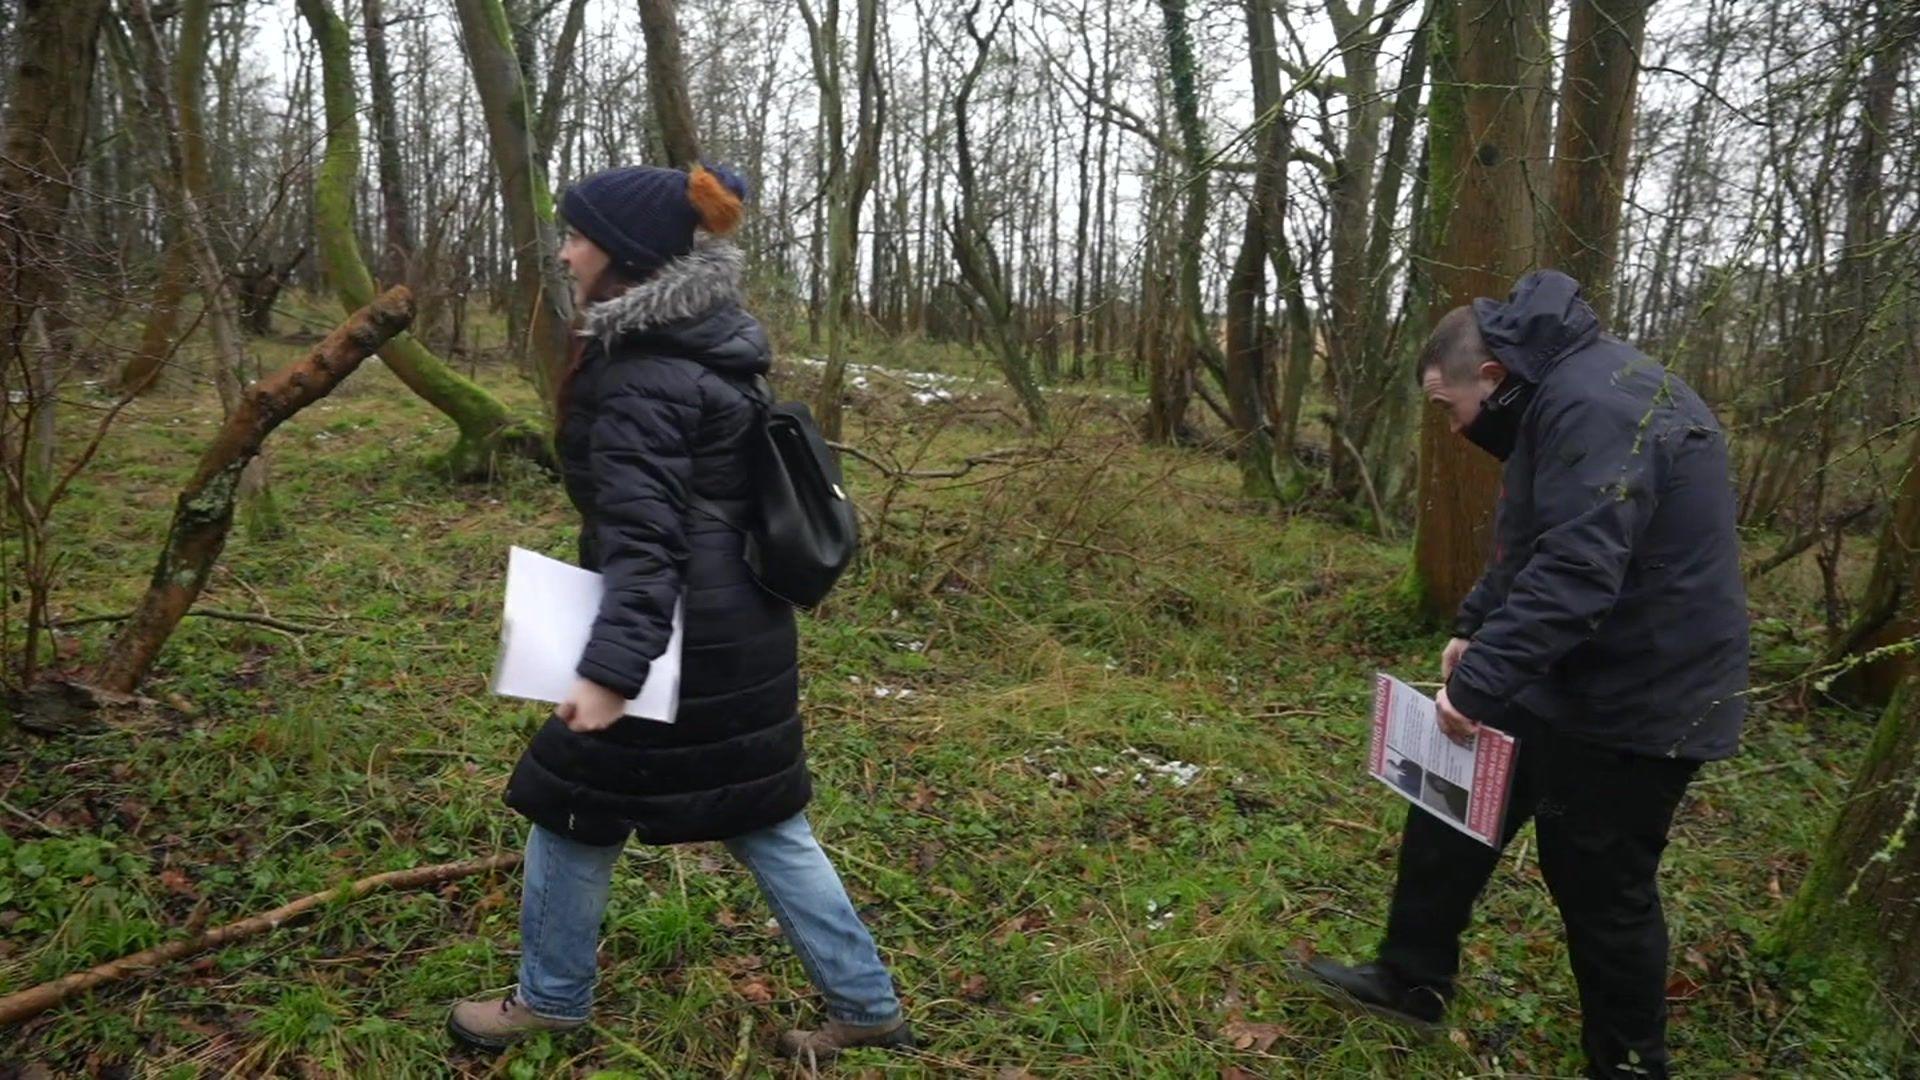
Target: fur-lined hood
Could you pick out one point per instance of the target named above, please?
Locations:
(693, 284)
(690, 307)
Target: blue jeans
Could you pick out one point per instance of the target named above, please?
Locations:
(566, 896)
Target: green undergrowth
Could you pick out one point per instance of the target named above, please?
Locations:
(1086, 727)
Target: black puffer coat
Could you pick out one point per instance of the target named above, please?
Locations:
(1613, 606)
(658, 409)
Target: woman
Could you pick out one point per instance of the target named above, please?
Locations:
(657, 408)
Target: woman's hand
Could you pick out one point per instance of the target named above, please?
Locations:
(590, 707)
(1450, 658)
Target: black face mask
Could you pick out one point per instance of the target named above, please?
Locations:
(1497, 428)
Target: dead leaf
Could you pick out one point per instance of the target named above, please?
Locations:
(1235, 1072)
(1682, 987)
(975, 989)
(740, 965)
(1009, 928)
(755, 990)
(1246, 1035)
(175, 881)
(1459, 1039)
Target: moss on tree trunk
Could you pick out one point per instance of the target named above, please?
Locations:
(488, 430)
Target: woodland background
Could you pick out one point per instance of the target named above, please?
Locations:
(1113, 308)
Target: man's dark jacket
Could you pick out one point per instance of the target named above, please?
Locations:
(1613, 605)
(659, 411)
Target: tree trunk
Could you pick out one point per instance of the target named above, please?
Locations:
(1246, 353)
(204, 512)
(177, 272)
(396, 254)
(1888, 624)
(667, 83)
(541, 298)
(45, 127)
(1862, 896)
(546, 125)
(1349, 188)
(1477, 141)
(973, 248)
(182, 180)
(1590, 151)
(487, 429)
(847, 182)
(1246, 360)
(260, 281)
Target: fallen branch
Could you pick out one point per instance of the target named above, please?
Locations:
(33, 1001)
(1792, 548)
(204, 511)
(203, 613)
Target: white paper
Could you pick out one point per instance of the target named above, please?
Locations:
(547, 621)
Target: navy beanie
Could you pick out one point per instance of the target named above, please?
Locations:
(644, 216)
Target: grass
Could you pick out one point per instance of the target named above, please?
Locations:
(1087, 734)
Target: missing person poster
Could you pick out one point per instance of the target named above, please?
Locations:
(1462, 784)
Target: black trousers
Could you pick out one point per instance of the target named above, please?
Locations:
(1601, 817)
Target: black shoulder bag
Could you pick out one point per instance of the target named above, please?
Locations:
(801, 529)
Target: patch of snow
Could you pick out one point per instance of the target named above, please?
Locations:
(1181, 773)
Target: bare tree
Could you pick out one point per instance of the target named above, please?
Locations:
(848, 179)
(973, 245)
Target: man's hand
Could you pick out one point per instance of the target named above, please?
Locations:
(590, 706)
(1453, 724)
(1450, 657)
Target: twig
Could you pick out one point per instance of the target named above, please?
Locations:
(30, 819)
(1003, 456)
(1084, 546)
(205, 613)
(33, 1001)
(1805, 540)
(1728, 778)
(1366, 481)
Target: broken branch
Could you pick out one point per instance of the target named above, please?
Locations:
(33, 1001)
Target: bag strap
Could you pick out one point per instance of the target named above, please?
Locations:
(761, 395)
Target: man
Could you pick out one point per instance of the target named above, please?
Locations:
(1608, 635)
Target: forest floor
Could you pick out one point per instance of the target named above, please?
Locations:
(1087, 730)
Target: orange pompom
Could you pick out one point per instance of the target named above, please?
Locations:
(720, 209)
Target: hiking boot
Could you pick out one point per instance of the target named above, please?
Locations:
(826, 1043)
(497, 1023)
(1378, 990)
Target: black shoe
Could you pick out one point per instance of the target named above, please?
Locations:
(1374, 988)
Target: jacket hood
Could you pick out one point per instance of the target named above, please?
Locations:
(1543, 319)
(690, 307)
